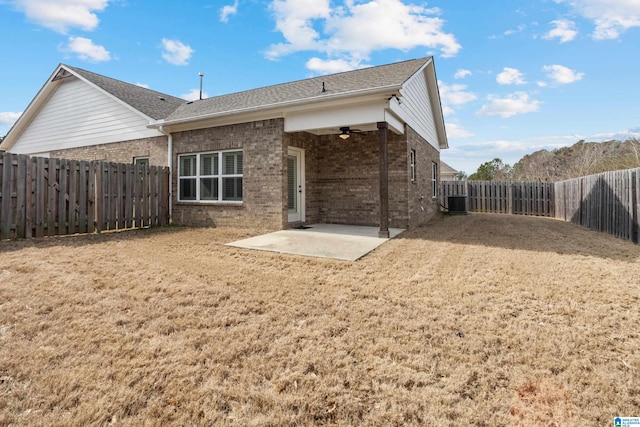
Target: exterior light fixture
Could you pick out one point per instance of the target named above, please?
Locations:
(345, 133)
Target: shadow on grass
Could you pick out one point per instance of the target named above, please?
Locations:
(88, 239)
(526, 233)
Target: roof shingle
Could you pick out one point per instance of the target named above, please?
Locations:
(341, 83)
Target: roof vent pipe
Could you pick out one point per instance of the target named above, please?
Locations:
(201, 76)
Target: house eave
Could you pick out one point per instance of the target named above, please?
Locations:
(278, 109)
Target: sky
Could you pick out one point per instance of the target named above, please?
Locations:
(515, 76)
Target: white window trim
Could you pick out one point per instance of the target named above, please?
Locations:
(219, 177)
(135, 160)
(434, 180)
(412, 165)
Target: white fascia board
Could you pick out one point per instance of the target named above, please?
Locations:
(395, 123)
(436, 104)
(283, 106)
(334, 117)
(218, 121)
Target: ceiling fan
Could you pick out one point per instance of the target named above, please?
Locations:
(347, 131)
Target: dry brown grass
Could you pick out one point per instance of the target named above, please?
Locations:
(481, 320)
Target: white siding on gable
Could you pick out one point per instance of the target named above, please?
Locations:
(79, 115)
(416, 108)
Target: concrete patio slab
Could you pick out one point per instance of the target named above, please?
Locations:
(344, 242)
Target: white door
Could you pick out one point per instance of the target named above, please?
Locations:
(295, 184)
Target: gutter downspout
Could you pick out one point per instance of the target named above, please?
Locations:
(170, 165)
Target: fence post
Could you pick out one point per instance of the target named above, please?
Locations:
(21, 195)
(634, 206)
(5, 195)
(99, 197)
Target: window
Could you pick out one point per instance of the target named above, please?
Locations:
(434, 179)
(143, 161)
(412, 165)
(210, 177)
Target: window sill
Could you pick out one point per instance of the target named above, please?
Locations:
(196, 203)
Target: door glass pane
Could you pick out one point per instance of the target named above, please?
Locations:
(292, 183)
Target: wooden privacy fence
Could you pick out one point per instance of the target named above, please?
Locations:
(607, 202)
(46, 197)
(520, 198)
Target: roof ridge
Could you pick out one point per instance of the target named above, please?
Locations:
(324, 76)
(121, 81)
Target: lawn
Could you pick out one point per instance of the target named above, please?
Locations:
(482, 320)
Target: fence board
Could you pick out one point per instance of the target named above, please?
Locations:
(21, 196)
(608, 202)
(82, 201)
(46, 197)
(5, 193)
(522, 198)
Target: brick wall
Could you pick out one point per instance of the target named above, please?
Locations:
(422, 204)
(262, 143)
(342, 179)
(342, 185)
(120, 152)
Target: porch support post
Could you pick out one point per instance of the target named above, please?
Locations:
(384, 180)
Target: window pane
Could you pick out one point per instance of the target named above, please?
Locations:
(188, 189)
(208, 188)
(187, 166)
(142, 161)
(232, 189)
(208, 164)
(232, 163)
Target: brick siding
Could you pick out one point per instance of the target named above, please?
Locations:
(120, 152)
(342, 184)
(262, 143)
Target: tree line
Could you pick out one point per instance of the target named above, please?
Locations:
(581, 159)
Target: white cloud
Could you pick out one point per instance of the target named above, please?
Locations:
(462, 73)
(144, 85)
(193, 95)
(454, 130)
(564, 30)
(228, 11)
(176, 52)
(351, 32)
(515, 103)
(454, 95)
(8, 118)
(510, 76)
(499, 145)
(86, 50)
(520, 29)
(294, 19)
(330, 66)
(561, 74)
(621, 135)
(62, 15)
(611, 17)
